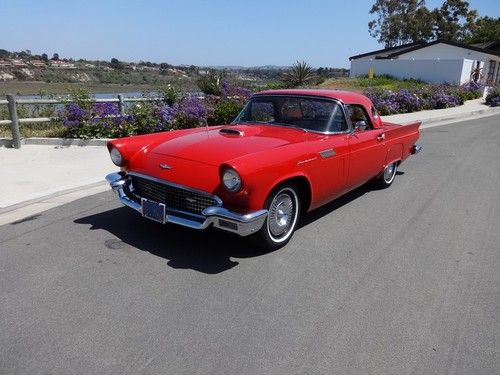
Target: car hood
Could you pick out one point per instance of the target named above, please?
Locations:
(220, 144)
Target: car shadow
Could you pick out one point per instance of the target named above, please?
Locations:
(207, 251)
(328, 208)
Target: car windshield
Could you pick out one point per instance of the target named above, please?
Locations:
(309, 113)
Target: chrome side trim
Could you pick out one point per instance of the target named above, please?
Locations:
(300, 162)
(216, 216)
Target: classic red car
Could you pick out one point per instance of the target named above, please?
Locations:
(287, 152)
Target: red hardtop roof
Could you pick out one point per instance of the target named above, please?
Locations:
(347, 97)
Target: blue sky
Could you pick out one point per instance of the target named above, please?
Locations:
(211, 32)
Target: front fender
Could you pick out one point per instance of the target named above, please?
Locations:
(262, 173)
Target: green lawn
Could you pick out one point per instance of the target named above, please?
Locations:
(360, 84)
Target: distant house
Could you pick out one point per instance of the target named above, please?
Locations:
(5, 64)
(18, 63)
(437, 61)
(62, 64)
(38, 63)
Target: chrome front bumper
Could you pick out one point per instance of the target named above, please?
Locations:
(215, 216)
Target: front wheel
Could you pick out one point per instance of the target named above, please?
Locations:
(283, 207)
(387, 177)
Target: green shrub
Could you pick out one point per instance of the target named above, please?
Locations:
(184, 121)
(169, 94)
(80, 96)
(276, 85)
(224, 112)
(210, 83)
(144, 119)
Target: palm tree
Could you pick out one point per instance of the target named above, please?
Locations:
(300, 74)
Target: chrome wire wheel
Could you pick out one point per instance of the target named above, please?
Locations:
(390, 173)
(283, 214)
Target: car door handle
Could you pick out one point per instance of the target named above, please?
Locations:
(381, 137)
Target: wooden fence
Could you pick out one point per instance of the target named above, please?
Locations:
(15, 121)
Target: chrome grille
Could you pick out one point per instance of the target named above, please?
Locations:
(173, 196)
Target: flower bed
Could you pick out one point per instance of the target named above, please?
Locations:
(419, 98)
(104, 120)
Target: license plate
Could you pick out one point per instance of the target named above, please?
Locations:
(153, 210)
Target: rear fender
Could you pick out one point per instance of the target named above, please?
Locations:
(394, 154)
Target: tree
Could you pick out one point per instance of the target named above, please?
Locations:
(486, 29)
(400, 22)
(300, 74)
(419, 25)
(116, 64)
(454, 20)
(45, 57)
(55, 57)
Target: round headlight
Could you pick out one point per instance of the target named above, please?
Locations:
(116, 157)
(231, 180)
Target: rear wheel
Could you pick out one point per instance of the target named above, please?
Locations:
(283, 207)
(387, 177)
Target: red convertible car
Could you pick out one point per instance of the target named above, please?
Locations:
(287, 152)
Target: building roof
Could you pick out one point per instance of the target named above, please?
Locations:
(490, 48)
(387, 51)
(495, 46)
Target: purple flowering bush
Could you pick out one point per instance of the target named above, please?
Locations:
(493, 97)
(85, 119)
(150, 117)
(227, 106)
(98, 120)
(232, 91)
(418, 98)
(495, 101)
(190, 112)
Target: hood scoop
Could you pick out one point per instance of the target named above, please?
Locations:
(232, 132)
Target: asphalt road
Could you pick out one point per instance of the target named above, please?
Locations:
(397, 281)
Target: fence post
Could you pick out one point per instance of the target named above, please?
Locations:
(14, 125)
(121, 104)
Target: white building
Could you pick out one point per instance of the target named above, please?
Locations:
(438, 61)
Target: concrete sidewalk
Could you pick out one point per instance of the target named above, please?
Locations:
(40, 176)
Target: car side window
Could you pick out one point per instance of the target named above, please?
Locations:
(358, 116)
